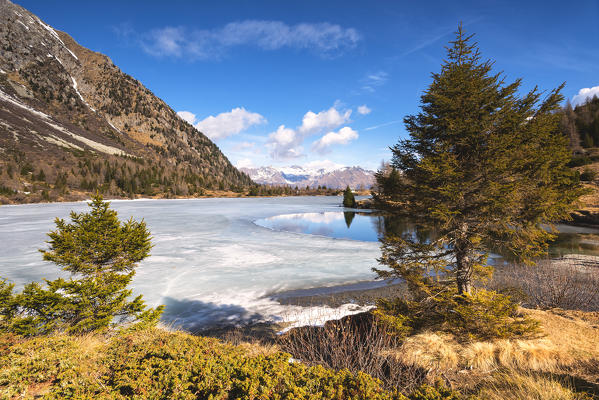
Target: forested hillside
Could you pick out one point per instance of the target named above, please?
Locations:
(72, 123)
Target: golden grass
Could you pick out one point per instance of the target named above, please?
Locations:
(441, 352)
(542, 368)
(575, 333)
(520, 386)
(569, 340)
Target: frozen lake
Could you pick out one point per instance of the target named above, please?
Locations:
(219, 261)
(211, 264)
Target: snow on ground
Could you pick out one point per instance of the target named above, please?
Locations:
(91, 143)
(81, 97)
(53, 32)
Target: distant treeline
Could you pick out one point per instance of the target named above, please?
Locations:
(581, 125)
(126, 177)
(113, 176)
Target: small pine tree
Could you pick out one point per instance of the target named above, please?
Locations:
(349, 200)
(101, 253)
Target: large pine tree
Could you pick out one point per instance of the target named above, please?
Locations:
(483, 165)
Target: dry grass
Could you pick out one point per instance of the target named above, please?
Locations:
(525, 386)
(556, 366)
(442, 353)
(571, 332)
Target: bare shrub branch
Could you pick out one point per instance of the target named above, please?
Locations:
(571, 282)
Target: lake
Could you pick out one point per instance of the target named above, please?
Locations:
(219, 261)
(371, 226)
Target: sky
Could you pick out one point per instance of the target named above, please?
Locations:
(323, 83)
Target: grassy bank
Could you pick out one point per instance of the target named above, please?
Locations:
(157, 364)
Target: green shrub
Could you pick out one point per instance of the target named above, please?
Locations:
(482, 315)
(101, 253)
(156, 364)
(4, 190)
(579, 161)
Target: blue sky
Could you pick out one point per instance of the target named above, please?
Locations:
(322, 82)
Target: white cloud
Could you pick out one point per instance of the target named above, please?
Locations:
(169, 41)
(363, 109)
(584, 94)
(327, 165)
(343, 136)
(285, 143)
(323, 38)
(372, 81)
(381, 125)
(327, 119)
(187, 116)
(224, 124)
(244, 163)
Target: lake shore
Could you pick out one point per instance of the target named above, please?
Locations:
(366, 293)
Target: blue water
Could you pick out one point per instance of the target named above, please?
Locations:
(340, 225)
(370, 227)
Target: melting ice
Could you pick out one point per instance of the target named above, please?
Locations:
(211, 264)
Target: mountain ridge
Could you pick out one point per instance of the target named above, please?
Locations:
(69, 115)
(295, 175)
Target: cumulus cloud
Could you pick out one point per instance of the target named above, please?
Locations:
(327, 165)
(187, 116)
(343, 136)
(244, 146)
(285, 143)
(327, 119)
(224, 124)
(584, 94)
(363, 110)
(326, 39)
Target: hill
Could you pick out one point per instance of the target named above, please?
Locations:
(71, 122)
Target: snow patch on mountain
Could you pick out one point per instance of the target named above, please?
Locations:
(333, 176)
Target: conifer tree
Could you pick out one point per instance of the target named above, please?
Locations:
(349, 200)
(101, 253)
(483, 165)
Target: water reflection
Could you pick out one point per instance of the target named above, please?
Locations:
(371, 226)
(349, 217)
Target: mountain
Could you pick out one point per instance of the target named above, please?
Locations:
(72, 122)
(295, 175)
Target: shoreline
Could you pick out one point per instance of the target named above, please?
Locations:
(363, 293)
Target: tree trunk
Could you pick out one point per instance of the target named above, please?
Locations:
(463, 271)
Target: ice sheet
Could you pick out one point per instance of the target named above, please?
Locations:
(211, 264)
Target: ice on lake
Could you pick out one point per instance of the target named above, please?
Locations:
(211, 264)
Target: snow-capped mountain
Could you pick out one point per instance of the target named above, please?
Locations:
(296, 175)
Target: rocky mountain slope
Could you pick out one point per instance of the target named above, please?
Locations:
(72, 122)
(296, 175)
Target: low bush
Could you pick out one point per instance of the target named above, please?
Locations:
(588, 175)
(156, 364)
(482, 315)
(579, 161)
(570, 283)
(354, 343)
